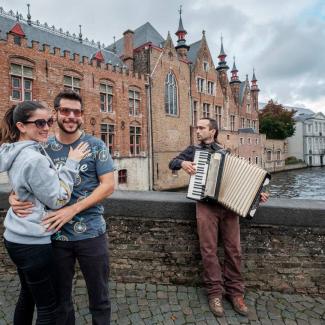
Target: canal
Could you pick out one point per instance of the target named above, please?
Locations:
(307, 183)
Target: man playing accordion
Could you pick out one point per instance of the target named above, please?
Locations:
(212, 219)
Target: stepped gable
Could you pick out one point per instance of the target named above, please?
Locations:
(55, 38)
(144, 34)
(242, 89)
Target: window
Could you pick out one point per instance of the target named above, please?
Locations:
(206, 66)
(107, 134)
(72, 83)
(248, 123)
(218, 113)
(106, 98)
(241, 140)
(122, 176)
(206, 110)
(210, 87)
(171, 102)
(232, 122)
(134, 102)
(200, 85)
(269, 155)
(249, 159)
(21, 82)
(17, 40)
(242, 123)
(195, 112)
(249, 140)
(278, 155)
(256, 141)
(254, 125)
(256, 160)
(135, 137)
(248, 108)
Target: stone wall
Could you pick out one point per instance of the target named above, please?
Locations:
(153, 239)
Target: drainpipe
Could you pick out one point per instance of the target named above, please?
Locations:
(150, 131)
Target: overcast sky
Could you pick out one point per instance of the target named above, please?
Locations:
(283, 39)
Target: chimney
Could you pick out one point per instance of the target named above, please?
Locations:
(128, 49)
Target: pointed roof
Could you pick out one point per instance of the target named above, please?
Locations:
(17, 29)
(99, 56)
(242, 89)
(180, 24)
(144, 34)
(169, 41)
(254, 77)
(222, 51)
(234, 68)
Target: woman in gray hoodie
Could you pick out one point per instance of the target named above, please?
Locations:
(33, 177)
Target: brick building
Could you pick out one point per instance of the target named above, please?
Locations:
(143, 95)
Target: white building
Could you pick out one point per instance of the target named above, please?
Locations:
(308, 142)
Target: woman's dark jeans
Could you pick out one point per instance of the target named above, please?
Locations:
(35, 269)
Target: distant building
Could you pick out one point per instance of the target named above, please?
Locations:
(308, 142)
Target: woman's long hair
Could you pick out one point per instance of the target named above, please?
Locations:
(17, 113)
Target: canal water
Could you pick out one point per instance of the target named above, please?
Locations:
(307, 183)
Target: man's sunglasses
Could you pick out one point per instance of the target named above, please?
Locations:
(41, 123)
(67, 111)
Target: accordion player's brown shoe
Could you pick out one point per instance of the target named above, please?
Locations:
(216, 307)
(239, 305)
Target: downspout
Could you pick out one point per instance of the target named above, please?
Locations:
(150, 119)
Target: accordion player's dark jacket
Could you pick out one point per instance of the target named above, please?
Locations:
(189, 152)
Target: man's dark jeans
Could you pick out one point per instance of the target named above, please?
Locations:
(92, 255)
(35, 269)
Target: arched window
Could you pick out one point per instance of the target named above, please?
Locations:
(171, 102)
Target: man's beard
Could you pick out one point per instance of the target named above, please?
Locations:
(62, 127)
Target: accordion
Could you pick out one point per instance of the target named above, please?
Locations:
(233, 182)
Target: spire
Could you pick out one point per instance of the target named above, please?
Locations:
(181, 32)
(222, 56)
(114, 45)
(234, 71)
(17, 16)
(29, 17)
(254, 85)
(80, 34)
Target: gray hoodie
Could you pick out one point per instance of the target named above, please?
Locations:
(34, 178)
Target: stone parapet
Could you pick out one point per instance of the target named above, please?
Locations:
(153, 239)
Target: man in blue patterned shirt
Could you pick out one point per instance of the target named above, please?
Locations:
(80, 227)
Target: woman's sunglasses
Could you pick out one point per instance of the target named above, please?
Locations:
(41, 123)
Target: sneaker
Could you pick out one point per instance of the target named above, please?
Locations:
(239, 305)
(216, 307)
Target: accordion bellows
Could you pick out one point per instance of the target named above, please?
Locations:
(231, 181)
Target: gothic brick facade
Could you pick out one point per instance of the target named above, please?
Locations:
(142, 94)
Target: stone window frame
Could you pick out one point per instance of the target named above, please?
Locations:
(22, 76)
(134, 100)
(200, 84)
(218, 115)
(232, 122)
(122, 176)
(171, 95)
(206, 110)
(76, 80)
(107, 135)
(106, 96)
(135, 139)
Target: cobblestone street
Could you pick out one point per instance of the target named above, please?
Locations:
(161, 304)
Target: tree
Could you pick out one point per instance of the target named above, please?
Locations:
(276, 122)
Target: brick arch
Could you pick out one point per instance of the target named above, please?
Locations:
(17, 59)
(73, 73)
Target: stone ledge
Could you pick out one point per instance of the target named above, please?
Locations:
(171, 205)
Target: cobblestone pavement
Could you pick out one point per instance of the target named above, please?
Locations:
(146, 304)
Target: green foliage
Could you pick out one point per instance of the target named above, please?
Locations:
(292, 160)
(276, 122)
